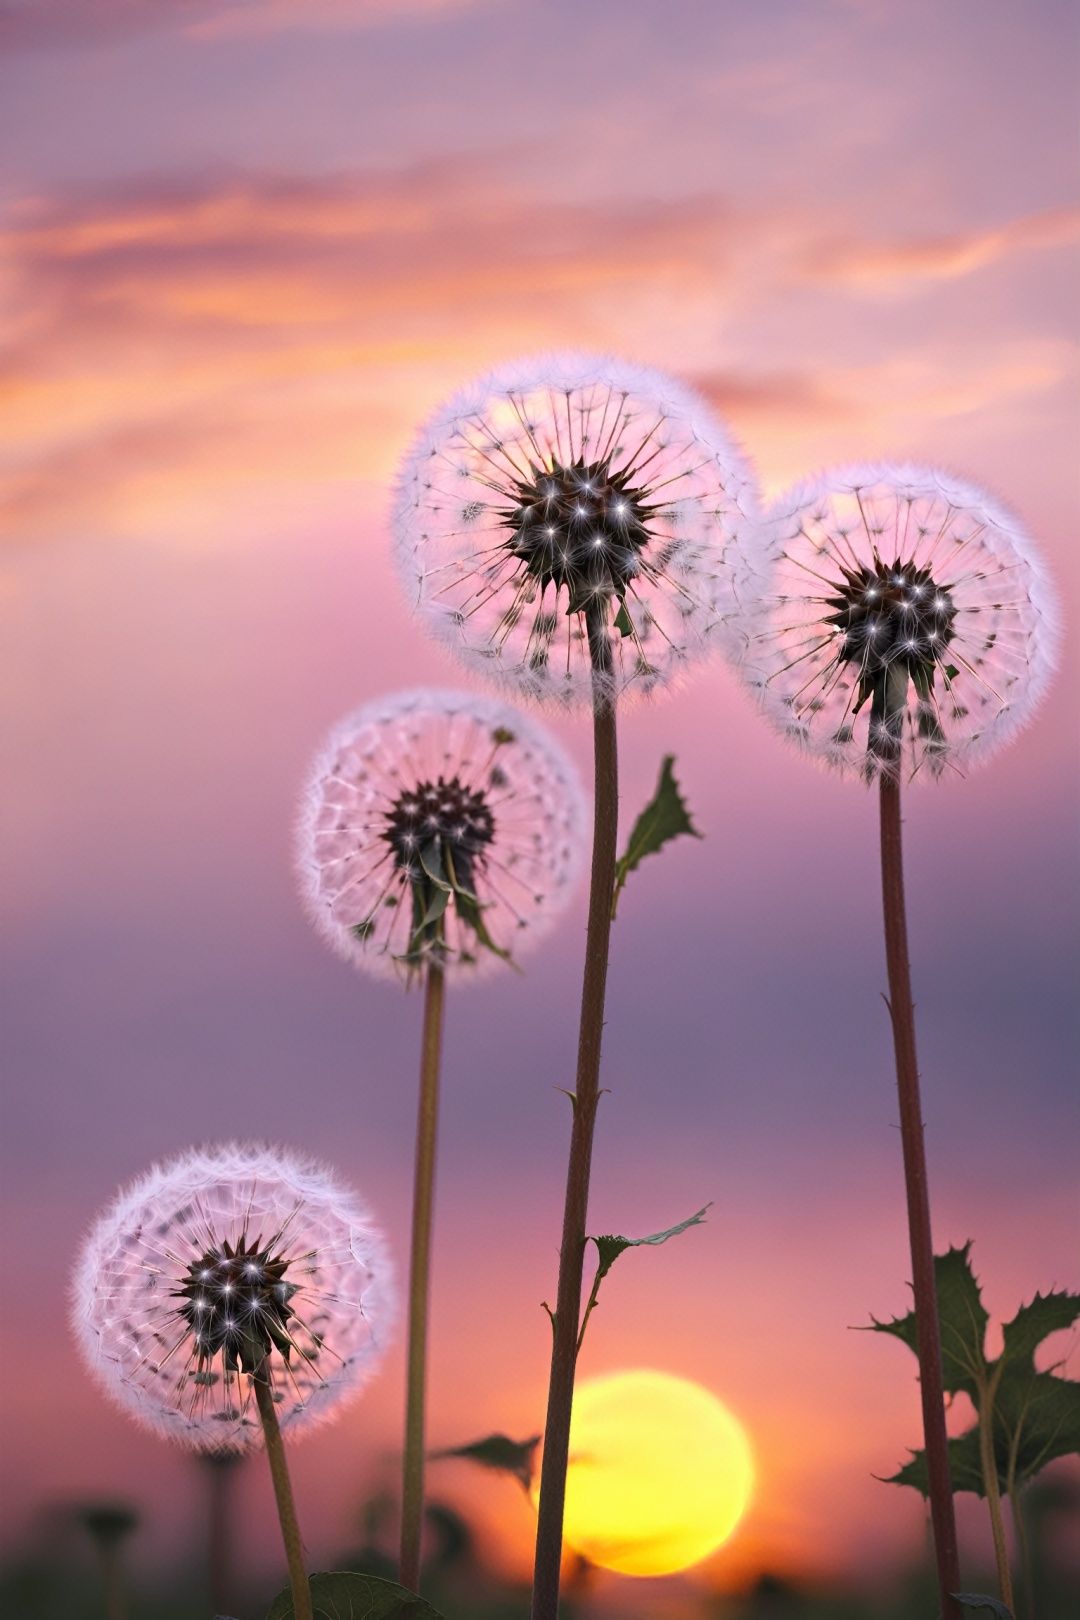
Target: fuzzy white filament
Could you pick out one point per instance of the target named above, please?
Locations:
(904, 621)
(214, 1258)
(438, 825)
(573, 518)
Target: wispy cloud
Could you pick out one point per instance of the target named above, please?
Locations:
(45, 24)
(897, 264)
(177, 350)
(175, 335)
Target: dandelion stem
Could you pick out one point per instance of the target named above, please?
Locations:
(545, 1599)
(427, 1119)
(279, 1473)
(928, 1331)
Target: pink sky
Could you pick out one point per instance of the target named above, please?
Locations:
(242, 258)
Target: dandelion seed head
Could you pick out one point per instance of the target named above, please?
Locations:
(903, 621)
(605, 536)
(220, 1262)
(438, 826)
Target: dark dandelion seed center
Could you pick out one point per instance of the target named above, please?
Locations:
(892, 618)
(445, 813)
(581, 528)
(236, 1304)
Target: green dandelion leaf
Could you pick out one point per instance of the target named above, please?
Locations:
(499, 1452)
(1034, 1414)
(665, 817)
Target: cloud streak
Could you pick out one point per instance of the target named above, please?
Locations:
(141, 321)
(888, 266)
(188, 343)
(77, 24)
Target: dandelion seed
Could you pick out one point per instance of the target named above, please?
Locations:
(175, 1324)
(555, 510)
(438, 827)
(903, 620)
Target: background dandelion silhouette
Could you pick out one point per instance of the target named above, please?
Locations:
(247, 248)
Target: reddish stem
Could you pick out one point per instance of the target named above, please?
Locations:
(545, 1599)
(927, 1327)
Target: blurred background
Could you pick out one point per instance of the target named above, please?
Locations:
(247, 246)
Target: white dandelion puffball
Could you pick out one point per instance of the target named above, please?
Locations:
(903, 620)
(573, 522)
(220, 1262)
(438, 827)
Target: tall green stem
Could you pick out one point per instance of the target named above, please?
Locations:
(1023, 1541)
(928, 1331)
(988, 1463)
(279, 1473)
(427, 1122)
(545, 1599)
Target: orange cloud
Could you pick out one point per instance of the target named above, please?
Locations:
(263, 332)
(183, 357)
(938, 258)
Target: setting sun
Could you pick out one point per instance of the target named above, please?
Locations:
(660, 1473)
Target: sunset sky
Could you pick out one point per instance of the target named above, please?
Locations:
(247, 246)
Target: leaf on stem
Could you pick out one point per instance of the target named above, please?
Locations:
(346, 1596)
(665, 817)
(962, 1317)
(978, 1600)
(609, 1248)
(1034, 1415)
(499, 1452)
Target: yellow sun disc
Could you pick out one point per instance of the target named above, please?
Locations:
(660, 1473)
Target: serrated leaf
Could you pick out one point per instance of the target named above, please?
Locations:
(610, 1247)
(345, 1596)
(498, 1451)
(665, 817)
(965, 1466)
(1036, 1419)
(978, 1600)
(962, 1318)
(1034, 1416)
(1046, 1314)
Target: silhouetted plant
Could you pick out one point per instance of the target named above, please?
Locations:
(903, 624)
(229, 1294)
(441, 833)
(571, 527)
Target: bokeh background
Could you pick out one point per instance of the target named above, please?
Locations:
(247, 245)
